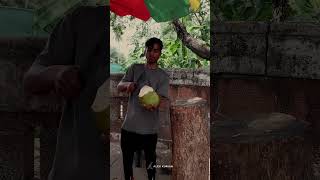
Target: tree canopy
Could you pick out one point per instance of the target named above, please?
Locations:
(189, 48)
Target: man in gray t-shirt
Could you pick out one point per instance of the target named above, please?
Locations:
(141, 124)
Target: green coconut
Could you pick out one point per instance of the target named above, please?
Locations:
(148, 97)
(101, 108)
(102, 120)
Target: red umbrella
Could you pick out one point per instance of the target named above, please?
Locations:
(159, 10)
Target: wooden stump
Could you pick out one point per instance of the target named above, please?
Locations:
(190, 135)
(269, 146)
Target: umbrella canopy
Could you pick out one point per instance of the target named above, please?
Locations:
(159, 10)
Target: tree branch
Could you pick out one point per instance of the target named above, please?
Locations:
(195, 45)
(199, 21)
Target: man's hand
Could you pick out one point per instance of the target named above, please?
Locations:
(67, 81)
(164, 103)
(127, 87)
(131, 86)
(150, 107)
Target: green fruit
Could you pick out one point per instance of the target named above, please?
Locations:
(101, 108)
(102, 119)
(148, 97)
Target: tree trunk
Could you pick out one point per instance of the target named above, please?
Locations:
(265, 146)
(280, 10)
(190, 135)
(195, 45)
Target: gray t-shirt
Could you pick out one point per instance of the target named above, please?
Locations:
(138, 119)
(80, 39)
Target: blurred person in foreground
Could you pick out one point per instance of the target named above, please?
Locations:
(74, 66)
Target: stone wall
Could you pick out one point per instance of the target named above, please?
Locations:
(262, 67)
(269, 49)
(267, 67)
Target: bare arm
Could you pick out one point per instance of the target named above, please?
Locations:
(122, 86)
(127, 87)
(164, 103)
(126, 84)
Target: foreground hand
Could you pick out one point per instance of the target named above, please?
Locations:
(150, 108)
(131, 86)
(67, 81)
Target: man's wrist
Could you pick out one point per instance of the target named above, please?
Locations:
(123, 86)
(50, 74)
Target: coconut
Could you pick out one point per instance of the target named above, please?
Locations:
(148, 97)
(101, 107)
(102, 119)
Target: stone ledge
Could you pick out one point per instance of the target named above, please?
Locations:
(197, 77)
(244, 27)
(285, 50)
(295, 29)
(239, 47)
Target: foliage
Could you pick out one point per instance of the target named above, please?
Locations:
(117, 26)
(175, 54)
(261, 10)
(115, 56)
(254, 10)
(305, 10)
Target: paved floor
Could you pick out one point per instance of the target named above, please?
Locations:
(140, 173)
(116, 164)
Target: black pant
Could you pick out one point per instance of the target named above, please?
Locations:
(130, 143)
